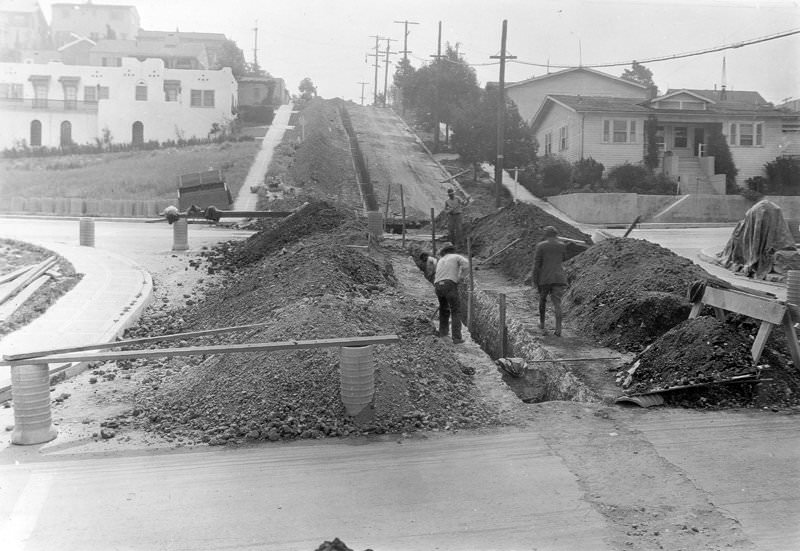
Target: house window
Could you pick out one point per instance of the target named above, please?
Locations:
(746, 134)
(10, 91)
(40, 95)
(171, 90)
(70, 97)
(90, 94)
(141, 93)
(548, 143)
(563, 138)
(619, 131)
(36, 133)
(680, 137)
(102, 92)
(202, 98)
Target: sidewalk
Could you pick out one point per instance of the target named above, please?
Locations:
(111, 295)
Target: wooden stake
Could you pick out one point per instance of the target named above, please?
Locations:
(403, 212)
(471, 285)
(502, 299)
(433, 233)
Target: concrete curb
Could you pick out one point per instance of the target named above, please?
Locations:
(130, 314)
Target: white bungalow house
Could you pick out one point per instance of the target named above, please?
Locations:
(54, 104)
(611, 130)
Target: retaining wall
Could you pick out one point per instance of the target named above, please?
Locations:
(61, 206)
(622, 208)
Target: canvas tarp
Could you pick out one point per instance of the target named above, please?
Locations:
(755, 240)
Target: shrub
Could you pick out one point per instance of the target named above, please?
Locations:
(587, 173)
(628, 177)
(555, 175)
(717, 146)
(783, 176)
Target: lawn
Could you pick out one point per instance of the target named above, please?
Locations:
(143, 175)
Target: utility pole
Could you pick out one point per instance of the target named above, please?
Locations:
(362, 91)
(255, 48)
(501, 115)
(377, 64)
(386, 71)
(437, 57)
(405, 53)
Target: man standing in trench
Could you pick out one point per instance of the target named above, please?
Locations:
(451, 270)
(454, 207)
(548, 275)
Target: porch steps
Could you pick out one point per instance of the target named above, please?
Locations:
(692, 179)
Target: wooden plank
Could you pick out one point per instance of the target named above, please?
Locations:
(761, 340)
(202, 350)
(791, 340)
(18, 284)
(695, 310)
(10, 306)
(132, 342)
(749, 305)
(15, 274)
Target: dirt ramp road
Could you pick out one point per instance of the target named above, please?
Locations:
(394, 155)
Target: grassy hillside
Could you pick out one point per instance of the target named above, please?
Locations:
(129, 175)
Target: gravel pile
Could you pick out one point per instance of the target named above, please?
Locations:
(522, 221)
(316, 288)
(626, 292)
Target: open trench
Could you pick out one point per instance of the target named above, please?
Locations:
(555, 367)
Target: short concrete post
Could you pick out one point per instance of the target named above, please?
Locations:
(30, 392)
(86, 234)
(375, 224)
(180, 235)
(793, 293)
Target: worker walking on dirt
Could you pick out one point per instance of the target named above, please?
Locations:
(454, 207)
(451, 270)
(548, 275)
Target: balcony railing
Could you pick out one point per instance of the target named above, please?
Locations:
(42, 104)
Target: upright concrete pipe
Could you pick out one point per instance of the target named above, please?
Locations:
(30, 392)
(86, 232)
(793, 293)
(180, 235)
(357, 373)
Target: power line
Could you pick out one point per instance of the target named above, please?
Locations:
(731, 46)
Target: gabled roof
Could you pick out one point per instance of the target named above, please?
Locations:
(730, 99)
(77, 40)
(576, 69)
(585, 104)
(672, 93)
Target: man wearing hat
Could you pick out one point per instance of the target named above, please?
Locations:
(451, 270)
(548, 275)
(454, 207)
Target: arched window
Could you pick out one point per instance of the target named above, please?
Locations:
(137, 133)
(66, 134)
(36, 133)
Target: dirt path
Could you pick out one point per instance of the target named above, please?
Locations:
(395, 156)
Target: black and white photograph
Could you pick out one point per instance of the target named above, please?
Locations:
(359, 275)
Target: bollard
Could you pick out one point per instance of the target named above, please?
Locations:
(30, 392)
(180, 235)
(86, 234)
(357, 373)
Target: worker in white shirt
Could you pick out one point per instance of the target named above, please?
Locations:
(451, 270)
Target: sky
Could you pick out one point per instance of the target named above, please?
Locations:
(332, 41)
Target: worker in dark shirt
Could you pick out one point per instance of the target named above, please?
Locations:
(454, 207)
(548, 275)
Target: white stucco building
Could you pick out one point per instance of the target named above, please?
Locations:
(54, 104)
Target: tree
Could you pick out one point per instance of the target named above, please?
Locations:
(440, 89)
(717, 147)
(403, 79)
(642, 75)
(230, 55)
(651, 154)
(307, 89)
(475, 132)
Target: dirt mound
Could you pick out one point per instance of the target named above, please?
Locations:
(522, 221)
(315, 290)
(628, 292)
(705, 350)
(313, 218)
